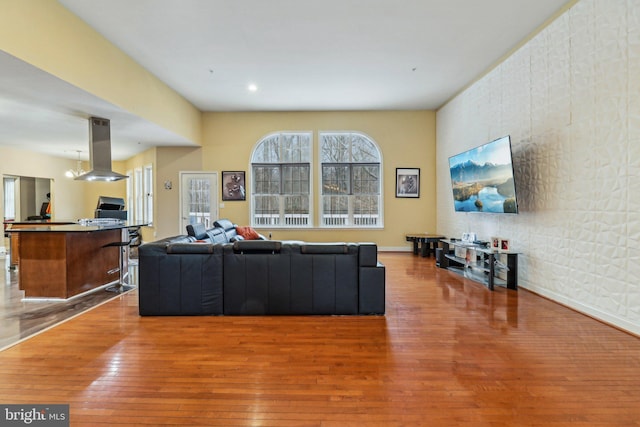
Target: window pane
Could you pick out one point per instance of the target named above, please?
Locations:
(335, 148)
(363, 150)
(287, 147)
(335, 179)
(296, 210)
(139, 195)
(9, 198)
(365, 204)
(295, 179)
(266, 179)
(305, 148)
(266, 210)
(267, 151)
(365, 210)
(148, 194)
(335, 210)
(267, 204)
(366, 179)
(198, 200)
(130, 198)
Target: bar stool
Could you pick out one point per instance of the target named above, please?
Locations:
(121, 286)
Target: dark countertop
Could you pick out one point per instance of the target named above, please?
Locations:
(40, 221)
(68, 226)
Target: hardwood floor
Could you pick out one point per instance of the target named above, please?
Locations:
(448, 352)
(20, 318)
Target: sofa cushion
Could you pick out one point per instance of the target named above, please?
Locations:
(198, 230)
(324, 248)
(368, 254)
(248, 233)
(225, 224)
(257, 246)
(180, 284)
(189, 248)
(229, 229)
(326, 279)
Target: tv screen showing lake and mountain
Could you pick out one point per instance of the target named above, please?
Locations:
(482, 179)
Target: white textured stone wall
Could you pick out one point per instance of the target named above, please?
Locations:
(570, 99)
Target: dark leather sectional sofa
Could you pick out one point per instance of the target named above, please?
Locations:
(187, 275)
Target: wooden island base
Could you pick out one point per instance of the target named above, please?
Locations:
(62, 264)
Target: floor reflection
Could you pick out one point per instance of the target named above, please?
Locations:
(21, 319)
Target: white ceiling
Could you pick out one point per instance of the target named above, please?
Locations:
(302, 55)
(43, 113)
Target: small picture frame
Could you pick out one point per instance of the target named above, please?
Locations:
(233, 186)
(495, 244)
(504, 245)
(408, 182)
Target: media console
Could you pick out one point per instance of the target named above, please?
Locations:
(480, 264)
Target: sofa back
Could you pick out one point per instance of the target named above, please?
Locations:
(256, 277)
(324, 278)
(179, 276)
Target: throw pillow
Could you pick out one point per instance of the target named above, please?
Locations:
(248, 233)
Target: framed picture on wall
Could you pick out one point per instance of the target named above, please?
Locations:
(408, 182)
(233, 186)
(495, 244)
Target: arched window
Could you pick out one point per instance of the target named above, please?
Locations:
(281, 191)
(351, 181)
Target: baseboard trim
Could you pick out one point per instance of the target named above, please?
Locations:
(593, 312)
(394, 249)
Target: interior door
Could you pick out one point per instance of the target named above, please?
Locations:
(198, 199)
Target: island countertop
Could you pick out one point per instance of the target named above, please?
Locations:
(66, 226)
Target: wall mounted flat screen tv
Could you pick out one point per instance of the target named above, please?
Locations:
(482, 179)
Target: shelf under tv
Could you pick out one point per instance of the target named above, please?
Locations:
(481, 264)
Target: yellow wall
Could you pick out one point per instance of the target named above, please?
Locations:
(48, 36)
(70, 199)
(167, 163)
(171, 161)
(406, 139)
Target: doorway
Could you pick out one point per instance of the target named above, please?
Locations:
(198, 199)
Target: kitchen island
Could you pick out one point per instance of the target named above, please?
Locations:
(14, 240)
(62, 261)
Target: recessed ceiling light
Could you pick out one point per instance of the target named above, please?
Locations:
(252, 87)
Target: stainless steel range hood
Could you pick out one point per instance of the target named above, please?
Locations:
(100, 153)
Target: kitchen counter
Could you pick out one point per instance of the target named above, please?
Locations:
(63, 259)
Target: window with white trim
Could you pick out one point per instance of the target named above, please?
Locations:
(138, 195)
(9, 198)
(147, 187)
(351, 182)
(281, 180)
(130, 204)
